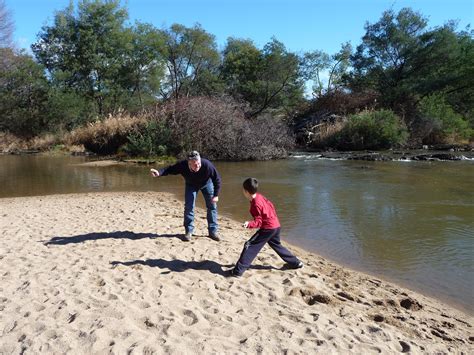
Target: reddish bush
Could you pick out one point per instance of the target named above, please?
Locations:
(341, 103)
(218, 128)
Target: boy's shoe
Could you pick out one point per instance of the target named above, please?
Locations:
(187, 237)
(297, 266)
(231, 273)
(214, 236)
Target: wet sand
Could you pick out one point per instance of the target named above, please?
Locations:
(109, 272)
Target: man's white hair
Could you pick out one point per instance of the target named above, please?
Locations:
(194, 155)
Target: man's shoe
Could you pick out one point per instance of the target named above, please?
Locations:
(187, 237)
(214, 236)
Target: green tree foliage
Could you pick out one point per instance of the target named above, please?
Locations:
(144, 65)
(192, 62)
(404, 61)
(316, 64)
(266, 79)
(92, 52)
(85, 51)
(459, 91)
(385, 60)
(372, 130)
(240, 68)
(23, 94)
(67, 109)
(154, 139)
(313, 66)
(444, 123)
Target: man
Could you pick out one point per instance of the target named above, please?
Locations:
(199, 175)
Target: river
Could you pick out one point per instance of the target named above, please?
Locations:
(407, 222)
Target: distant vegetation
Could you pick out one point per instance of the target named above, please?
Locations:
(98, 82)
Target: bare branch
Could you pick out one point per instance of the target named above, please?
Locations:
(6, 26)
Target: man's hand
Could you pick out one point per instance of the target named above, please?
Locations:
(215, 199)
(246, 224)
(155, 173)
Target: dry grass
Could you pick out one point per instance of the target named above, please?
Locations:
(322, 133)
(107, 135)
(10, 143)
(44, 142)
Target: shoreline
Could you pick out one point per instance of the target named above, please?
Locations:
(425, 292)
(96, 272)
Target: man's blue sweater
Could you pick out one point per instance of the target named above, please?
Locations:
(197, 179)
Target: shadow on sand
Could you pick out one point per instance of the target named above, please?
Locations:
(181, 265)
(111, 235)
(178, 265)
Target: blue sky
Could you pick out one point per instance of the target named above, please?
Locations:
(301, 25)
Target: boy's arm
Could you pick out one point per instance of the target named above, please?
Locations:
(256, 213)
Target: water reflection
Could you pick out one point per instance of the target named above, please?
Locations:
(409, 222)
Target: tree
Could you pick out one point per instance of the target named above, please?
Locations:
(316, 64)
(404, 61)
(384, 58)
(313, 65)
(266, 79)
(86, 51)
(144, 65)
(192, 61)
(240, 68)
(338, 68)
(6, 26)
(23, 94)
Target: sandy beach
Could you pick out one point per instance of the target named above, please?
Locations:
(109, 273)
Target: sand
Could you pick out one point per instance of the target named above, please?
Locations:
(109, 273)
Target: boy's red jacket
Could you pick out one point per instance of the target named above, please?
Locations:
(263, 213)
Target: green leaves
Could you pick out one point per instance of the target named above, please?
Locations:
(266, 79)
(23, 94)
(372, 130)
(192, 61)
(94, 53)
(404, 62)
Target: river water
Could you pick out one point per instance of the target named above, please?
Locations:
(407, 222)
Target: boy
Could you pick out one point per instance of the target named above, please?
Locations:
(264, 218)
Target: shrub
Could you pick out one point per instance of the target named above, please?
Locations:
(443, 124)
(342, 103)
(372, 130)
(153, 139)
(218, 128)
(107, 136)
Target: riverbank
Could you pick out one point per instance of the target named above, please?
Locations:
(109, 272)
(451, 154)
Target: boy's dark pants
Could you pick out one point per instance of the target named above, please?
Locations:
(256, 243)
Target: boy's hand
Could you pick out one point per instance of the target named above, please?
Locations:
(246, 224)
(215, 199)
(155, 173)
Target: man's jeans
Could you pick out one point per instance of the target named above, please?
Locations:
(190, 194)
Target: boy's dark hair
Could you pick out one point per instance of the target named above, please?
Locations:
(251, 185)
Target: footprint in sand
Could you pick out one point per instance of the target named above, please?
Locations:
(410, 304)
(189, 317)
(310, 296)
(405, 346)
(378, 318)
